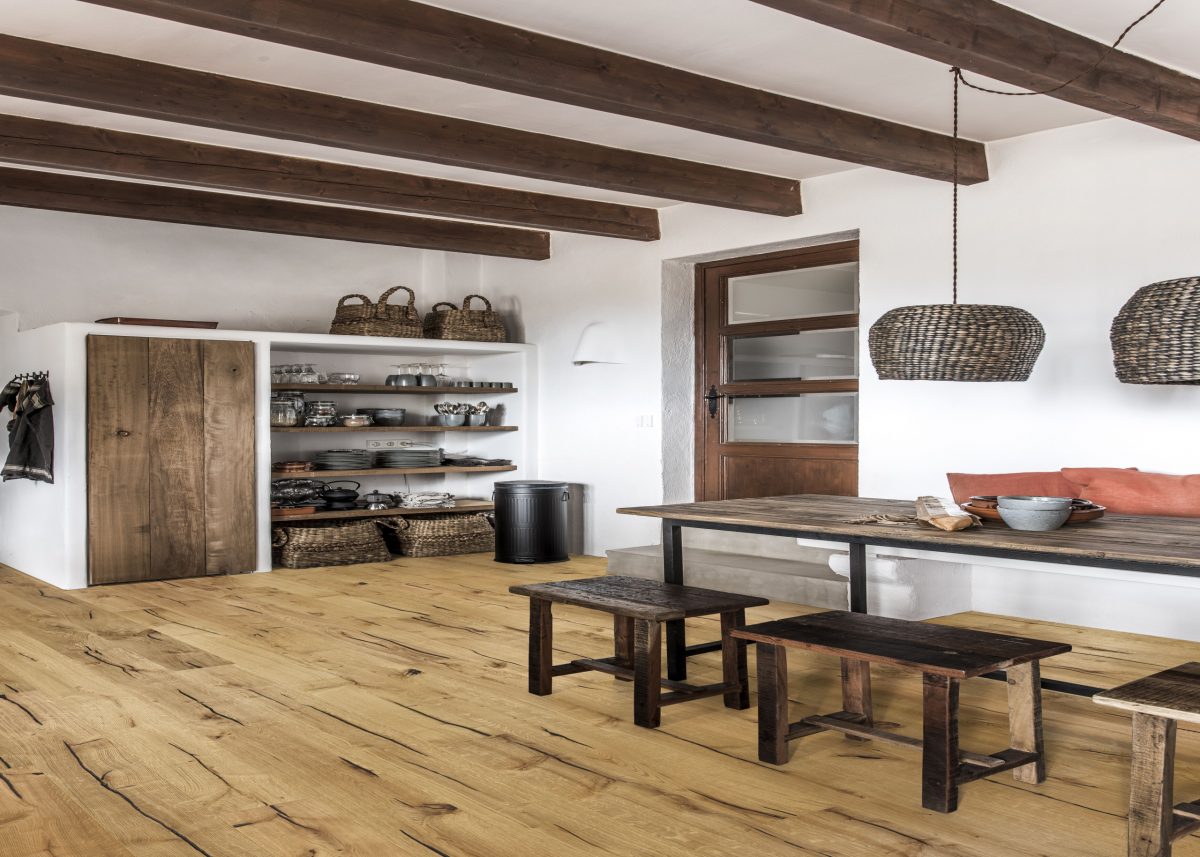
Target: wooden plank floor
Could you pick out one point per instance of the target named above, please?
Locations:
(381, 710)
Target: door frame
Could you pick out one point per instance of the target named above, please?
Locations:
(814, 255)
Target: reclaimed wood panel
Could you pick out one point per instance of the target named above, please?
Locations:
(230, 504)
(118, 459)
(177, 449)
(1169, 545)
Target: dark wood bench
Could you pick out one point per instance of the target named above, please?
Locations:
(639, 608)
(945, 656)
(1158, 703)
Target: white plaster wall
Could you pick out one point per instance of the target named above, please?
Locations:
(1072, 222)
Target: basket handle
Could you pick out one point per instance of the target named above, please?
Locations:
(383, 298)
(486, 302)
(446, 304)
(278, 538)
(366, 300)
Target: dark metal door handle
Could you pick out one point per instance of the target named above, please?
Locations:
(712, 397)
(122, 433)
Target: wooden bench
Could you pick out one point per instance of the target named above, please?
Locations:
(639, 608)
(945, 656)
(1158, 703)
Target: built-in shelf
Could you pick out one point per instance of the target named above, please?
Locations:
(391, 471)
(391, 428)
(388, 388)
(461, 506)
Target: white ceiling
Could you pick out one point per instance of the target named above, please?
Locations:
(736, 40)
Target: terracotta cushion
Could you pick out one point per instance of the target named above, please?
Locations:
(1052, 483)
(1129, 492)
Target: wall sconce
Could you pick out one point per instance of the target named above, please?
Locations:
(600, 342)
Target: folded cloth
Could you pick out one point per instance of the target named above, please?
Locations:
(427, 500)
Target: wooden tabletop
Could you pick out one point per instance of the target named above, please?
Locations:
(1168, 544)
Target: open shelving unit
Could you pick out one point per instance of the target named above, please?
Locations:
(372, 358)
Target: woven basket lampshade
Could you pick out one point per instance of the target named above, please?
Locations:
(1156, 335)
(956, 342)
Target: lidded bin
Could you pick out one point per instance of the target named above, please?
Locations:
(531, 521)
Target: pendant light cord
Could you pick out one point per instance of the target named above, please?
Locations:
(1104, 56)
(957, 72)
(960, 79)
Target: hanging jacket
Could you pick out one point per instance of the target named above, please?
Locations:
(30, 431)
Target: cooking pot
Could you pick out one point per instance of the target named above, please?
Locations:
(341, 495)
(377, 500)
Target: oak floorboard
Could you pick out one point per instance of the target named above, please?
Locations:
(382, 710)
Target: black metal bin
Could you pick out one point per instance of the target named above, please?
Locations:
(531, 521)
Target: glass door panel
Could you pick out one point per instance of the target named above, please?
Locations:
(799, 293)
(815, 355)
(811, 418)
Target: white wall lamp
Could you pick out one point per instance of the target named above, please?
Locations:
(600, 342)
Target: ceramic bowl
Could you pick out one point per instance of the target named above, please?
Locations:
(1035, 504)
(1035, 520)
(449, 419)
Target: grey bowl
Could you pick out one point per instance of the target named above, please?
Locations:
(1035, 504)
(1035, 520)
(449, 419)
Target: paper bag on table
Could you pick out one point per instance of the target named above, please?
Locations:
(944, 514)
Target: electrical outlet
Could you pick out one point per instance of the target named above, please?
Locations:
(382, 444)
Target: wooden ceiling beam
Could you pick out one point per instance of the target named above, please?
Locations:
(1005, 44)
(59, 145)
(435, 41)
(66, 75)
(88, 195)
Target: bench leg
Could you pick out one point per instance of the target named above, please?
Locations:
(856, 689)
(733, 661)
(1025, 719)
(1151, 800)
(940, 762)
(647, 672)
(772, 703)
(623, 642)
(541, 646)
(676, 651)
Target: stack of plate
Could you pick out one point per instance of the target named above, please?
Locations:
(343, 459)
(410, 457)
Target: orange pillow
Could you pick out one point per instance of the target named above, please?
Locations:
(1128, 492)
(1083, 476)
(964, 486)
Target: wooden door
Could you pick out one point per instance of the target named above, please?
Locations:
(777, 374)
(171, 482)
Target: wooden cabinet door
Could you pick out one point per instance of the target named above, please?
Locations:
(171, 483)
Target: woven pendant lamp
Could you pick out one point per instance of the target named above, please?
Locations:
(955, 342)
(1156, 335)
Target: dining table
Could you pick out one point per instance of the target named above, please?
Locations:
(1153, 545)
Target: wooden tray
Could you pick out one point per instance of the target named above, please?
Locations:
(1079, 514)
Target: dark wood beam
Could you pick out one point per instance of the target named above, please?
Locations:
(65, 75)
(1007, 45)
(430, 40)
(87, 195)
(59, 145)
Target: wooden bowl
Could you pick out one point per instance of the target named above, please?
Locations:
(1081, 510)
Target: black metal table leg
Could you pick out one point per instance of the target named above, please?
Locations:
(672, 544)
(858, 578)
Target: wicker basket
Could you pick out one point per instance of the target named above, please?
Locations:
(317, 545)
(475, 325)
(1156, 335)
(956, 342)
(443, 535)
(379, 318)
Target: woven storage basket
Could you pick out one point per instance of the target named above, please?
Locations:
(443, 535)
(1156, 335)
(956, 342)
(379, 318)
(330, 544)
(476, 325)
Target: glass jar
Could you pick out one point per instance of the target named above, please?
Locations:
(286, 412)
(320, 413)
